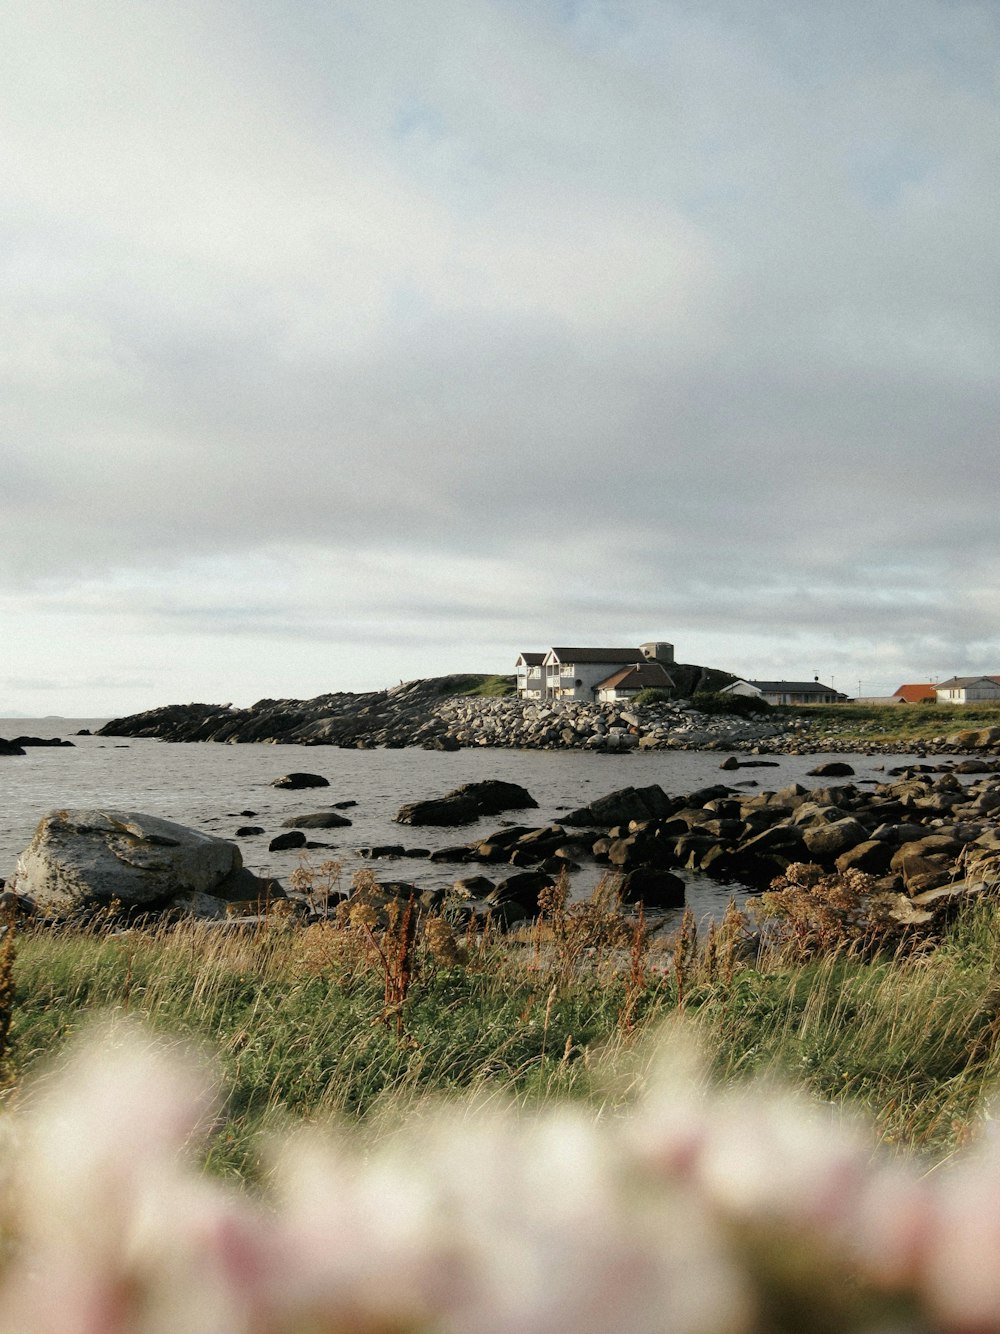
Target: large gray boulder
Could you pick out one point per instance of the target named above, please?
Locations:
(90, 857)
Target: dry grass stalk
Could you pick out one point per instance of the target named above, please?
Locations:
(685, 954)
(440, 940)
(729, 940)
(635, 981)
(320, 884)
(811, 911)
(7, 955)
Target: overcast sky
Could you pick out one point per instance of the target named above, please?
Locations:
(346, 341)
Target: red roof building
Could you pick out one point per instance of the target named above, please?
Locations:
(916, 694)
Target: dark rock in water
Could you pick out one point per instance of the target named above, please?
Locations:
(399, 889)
(522, 890)
(296, 781)
(871, 856)
(460, 853)
(248, 830)
(10, 748)
(642, 850)
(472, 887)
(555, 865)
(826, 842)
(316, 820)
(441, 743)
(343, 805)
(12, 903)
(832, 769)
(242, 886)
(628, 803)
(652, 888)
(467, 803)
(40, 741)
(294, 839)
(248, 815)
(382, 850)
(734, 763)
(84, 731)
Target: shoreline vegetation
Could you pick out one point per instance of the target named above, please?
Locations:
(800, 1097)
(403, 1028)
(361, 1020)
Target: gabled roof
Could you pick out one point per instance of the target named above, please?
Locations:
(959, 682)
(631, 655)
(913, 694)
(531, 659)
(643, 676)
(796, 687)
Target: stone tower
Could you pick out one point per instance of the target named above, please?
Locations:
(663, 653)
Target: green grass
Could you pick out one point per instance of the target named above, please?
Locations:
(477, 684)
(895, 723)
(295, 1021)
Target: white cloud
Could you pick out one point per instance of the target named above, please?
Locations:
(452, 326)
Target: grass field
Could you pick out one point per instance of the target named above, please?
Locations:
(898, 724)
(338, 1020)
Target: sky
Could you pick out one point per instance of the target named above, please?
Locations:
(344, 342)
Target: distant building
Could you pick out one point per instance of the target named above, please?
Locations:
(528, 675)
(968, 690)
(786, 692)
(915, 694)
(581, 673)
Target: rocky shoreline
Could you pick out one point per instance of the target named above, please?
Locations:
(920, 843)
(430, 714)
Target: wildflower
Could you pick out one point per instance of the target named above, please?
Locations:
(96, 1208)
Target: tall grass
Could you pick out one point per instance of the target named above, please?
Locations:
(303, 1026)
(297, 1017)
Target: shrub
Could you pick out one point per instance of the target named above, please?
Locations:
(653, 695)
(741, 706)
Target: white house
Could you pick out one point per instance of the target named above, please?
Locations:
(786, 692)
(578, 673)
(968, 690)
(528, 675)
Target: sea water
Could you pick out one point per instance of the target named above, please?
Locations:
(219, 788)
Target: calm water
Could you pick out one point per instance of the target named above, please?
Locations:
(207, 786)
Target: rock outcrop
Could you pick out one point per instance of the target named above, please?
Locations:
(927, 837)
(80, 859)
(428, 713)
(467, 803)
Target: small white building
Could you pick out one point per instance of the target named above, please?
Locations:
(968, 690)
(786, 692)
